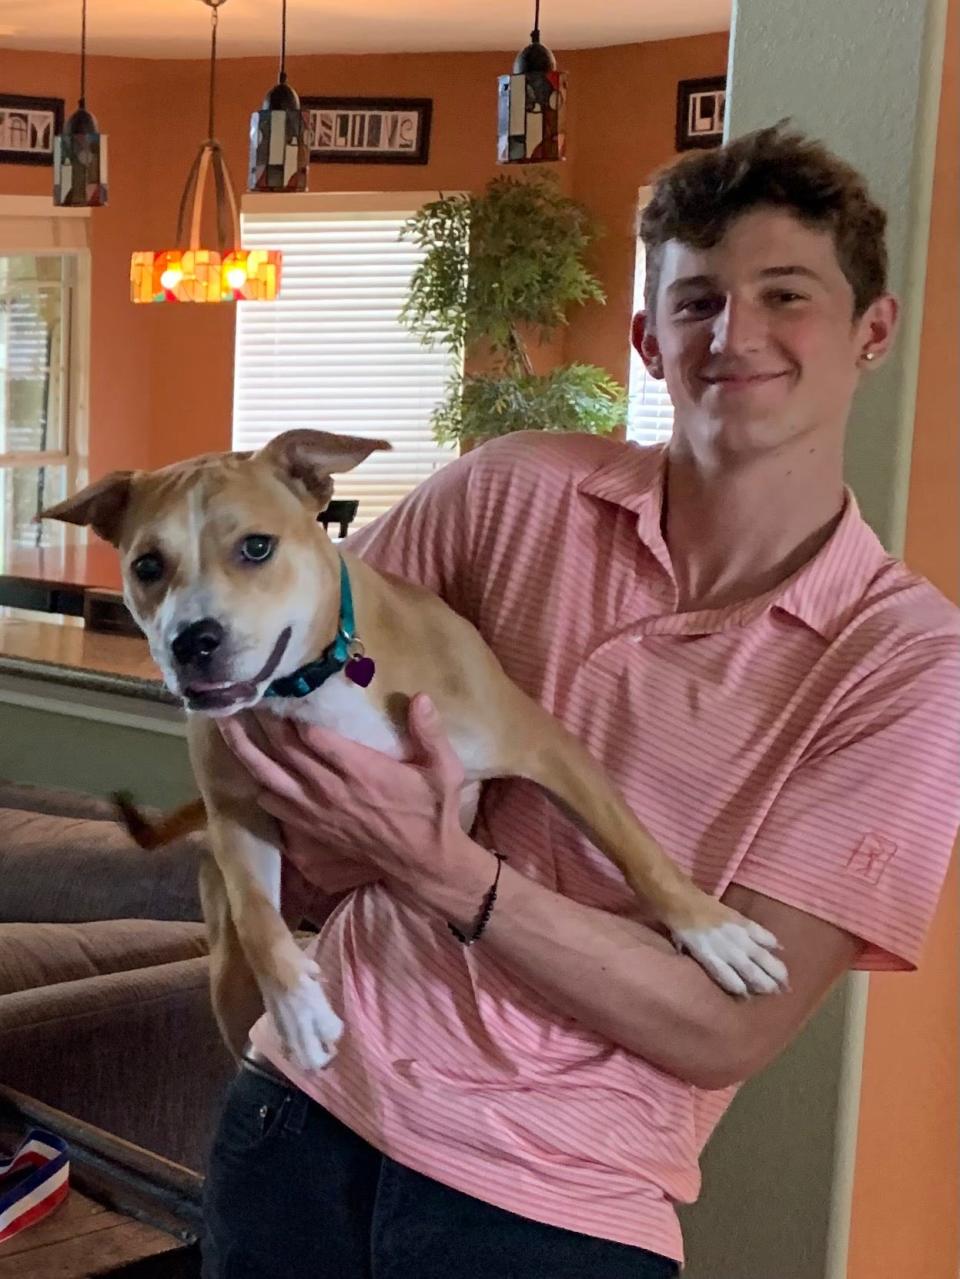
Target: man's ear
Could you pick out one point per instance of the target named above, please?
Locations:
(646, 345)
(309, 458)
(100, 506)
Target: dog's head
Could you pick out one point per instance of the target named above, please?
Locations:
(225, 567)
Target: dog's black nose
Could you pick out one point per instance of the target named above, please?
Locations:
(198, 642)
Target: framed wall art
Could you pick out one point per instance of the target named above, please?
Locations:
(368, 130)
(28, 127)
(700, 112)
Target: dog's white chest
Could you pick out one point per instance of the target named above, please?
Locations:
(344, 708)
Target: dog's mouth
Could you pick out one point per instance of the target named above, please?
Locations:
(201, 695)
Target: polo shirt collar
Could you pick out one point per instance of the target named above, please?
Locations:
(822, 594)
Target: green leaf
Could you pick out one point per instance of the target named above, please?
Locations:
(507, 260)
(576, 397)
(511, 256)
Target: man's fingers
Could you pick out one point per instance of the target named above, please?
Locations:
(242, 745)
(432, 743)
(285, 745)
(286, 811)
(339, 754)
(264, 770)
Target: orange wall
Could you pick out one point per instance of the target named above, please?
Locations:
(623, 131)
(162, 376)
(907, 1185)
(122, 353)
(462, 155)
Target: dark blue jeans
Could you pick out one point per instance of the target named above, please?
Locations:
(293, 1194)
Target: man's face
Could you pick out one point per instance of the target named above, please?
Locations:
(756, 337)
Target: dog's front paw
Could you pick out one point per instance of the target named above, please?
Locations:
(737, 953)
(308, 1027)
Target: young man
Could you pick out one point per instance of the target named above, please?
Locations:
(778, 699)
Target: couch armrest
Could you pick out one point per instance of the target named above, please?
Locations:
(55, 800)
(137, 1053)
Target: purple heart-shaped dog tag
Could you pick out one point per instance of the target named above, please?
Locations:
(360, 670)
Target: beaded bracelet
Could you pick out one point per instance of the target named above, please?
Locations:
(486, 909)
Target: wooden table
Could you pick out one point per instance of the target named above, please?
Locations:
(55, 581)
(129, 1213)
(27, 640)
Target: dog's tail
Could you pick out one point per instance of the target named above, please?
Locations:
(148, 834)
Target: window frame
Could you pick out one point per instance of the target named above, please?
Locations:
(635, 365)
(33, 226)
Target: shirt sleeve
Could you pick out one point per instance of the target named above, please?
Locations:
(428, 537)
(862, 832)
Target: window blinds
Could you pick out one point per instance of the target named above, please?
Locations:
(330, 354)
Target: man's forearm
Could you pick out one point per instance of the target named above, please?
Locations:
(613, 975)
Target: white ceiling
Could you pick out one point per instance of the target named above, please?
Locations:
(181, 28)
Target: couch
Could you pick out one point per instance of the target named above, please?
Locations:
(104, 1003)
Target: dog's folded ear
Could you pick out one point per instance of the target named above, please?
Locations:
(309, 458)
(102, 506)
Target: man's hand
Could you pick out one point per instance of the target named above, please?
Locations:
(386, 819)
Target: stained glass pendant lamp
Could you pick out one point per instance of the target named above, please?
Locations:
(532, 105)
(80, 150)
(194, 272)
(279, 154)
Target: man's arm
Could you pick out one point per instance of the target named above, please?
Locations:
(618, 978)
(881, 780)
(889, 766)
(626, 982)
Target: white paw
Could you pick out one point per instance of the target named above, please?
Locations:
(308, 1027)
(737, 956)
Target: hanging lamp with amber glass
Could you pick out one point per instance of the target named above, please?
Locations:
(194, 272)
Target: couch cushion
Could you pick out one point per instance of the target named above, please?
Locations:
(69, 869)
(33, 955)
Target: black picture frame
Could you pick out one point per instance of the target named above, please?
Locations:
(701, 100)
(352, 119)
(35, 113)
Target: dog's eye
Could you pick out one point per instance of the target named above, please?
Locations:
(148, 568)
(257, 547)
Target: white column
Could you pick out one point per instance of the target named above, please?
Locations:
(863, 76)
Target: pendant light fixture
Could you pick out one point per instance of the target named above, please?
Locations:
(80, 150)
(532, 105)
(195, 273)
(279, 155)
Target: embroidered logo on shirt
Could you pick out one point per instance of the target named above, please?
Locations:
(870, 859)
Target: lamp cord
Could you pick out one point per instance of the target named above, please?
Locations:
(535, 33)
(213, 70)
(283, 44)
(83, 57)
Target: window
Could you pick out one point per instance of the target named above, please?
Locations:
(330, 354)
(649, 410)
(42, 274)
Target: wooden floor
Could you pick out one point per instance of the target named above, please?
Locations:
(129, 1212)
(81, 1238)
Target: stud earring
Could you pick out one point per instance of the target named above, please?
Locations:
(869, 355)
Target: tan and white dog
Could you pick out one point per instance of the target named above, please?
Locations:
(236, 585)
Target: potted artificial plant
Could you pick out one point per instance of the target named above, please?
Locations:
(502, 266)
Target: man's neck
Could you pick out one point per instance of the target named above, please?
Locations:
(737, 528)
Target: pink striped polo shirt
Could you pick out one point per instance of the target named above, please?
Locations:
(804, 744)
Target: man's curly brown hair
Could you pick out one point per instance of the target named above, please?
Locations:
(695, 200)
